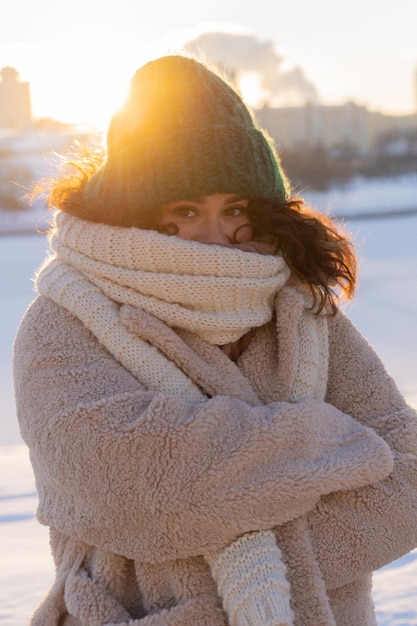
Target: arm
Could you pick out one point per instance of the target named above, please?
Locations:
(153, 477)
(357, 532)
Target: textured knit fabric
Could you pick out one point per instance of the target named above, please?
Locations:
(86, 244)
(219, 293)
(251, 579)
(136, 485)
(106, 446)
(154, 157)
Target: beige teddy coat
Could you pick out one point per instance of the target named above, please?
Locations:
(136, 485)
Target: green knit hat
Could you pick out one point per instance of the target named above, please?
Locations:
(183, 133)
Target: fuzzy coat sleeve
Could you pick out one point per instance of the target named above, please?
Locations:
(152, 477)
(357, 532)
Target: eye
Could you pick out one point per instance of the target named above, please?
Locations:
(235, 211)
(185, 211)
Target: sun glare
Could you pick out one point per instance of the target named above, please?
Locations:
(69, 84)
(250, 87)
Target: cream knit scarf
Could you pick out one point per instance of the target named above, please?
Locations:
(216, 292)
(219, 293)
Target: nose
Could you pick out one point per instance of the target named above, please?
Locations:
(213, 232)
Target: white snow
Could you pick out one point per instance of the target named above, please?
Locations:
(385, 310)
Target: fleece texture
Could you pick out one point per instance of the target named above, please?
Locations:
(97, 267)
(137, 485)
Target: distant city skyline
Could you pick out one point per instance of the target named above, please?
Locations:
(78, 57)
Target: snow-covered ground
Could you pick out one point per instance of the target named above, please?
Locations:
(385, 310)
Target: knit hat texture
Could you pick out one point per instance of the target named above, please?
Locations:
(182, 133)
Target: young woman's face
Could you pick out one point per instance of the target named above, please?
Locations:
(218, 219)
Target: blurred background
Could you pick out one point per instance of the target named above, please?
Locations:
(334, 84)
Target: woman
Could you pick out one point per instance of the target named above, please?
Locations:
(213, 441)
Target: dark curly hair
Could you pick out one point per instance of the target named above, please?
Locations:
(314, 246)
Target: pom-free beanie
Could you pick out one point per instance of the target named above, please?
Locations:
(182, 133)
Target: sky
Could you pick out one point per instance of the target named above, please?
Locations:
(78, 56)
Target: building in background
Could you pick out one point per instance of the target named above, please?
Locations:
(341, 128)
(15, 103)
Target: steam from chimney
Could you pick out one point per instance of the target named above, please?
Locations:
(245, 56)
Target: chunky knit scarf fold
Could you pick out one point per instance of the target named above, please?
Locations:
(95, 268)
(218, 293)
